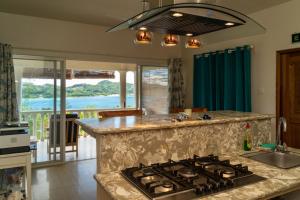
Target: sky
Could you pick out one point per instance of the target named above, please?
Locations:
(129, 79)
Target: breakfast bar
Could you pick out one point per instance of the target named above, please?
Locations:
(127, 141)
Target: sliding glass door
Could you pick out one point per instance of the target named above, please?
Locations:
(154, 89)
(41, 99)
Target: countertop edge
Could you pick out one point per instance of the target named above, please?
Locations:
(94, 131)
(103, 187)
(279, 193)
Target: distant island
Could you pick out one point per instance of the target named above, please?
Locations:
(103, 88)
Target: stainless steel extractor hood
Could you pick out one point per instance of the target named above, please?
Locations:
(195, 18)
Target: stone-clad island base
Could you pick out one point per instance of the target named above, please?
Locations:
(127, 141)
(278, 182)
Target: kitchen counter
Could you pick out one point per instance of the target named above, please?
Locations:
(153, 122)
(125, 141)
(278, 182)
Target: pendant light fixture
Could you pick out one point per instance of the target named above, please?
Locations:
(143, 37)
(192, 43)
(183, 17)
(170, 40)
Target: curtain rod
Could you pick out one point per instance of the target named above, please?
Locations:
(222, 51)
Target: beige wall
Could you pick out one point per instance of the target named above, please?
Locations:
(40, 36)
(88, 42)
(280, 22)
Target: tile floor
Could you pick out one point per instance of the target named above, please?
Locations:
(86, 150)
(73, 180)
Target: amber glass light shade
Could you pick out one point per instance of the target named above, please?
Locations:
(192, 43)
(143, 37)
(170, 40)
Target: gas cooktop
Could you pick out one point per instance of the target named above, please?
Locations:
(189, 178)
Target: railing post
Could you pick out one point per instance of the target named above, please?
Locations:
(42, 126)
(84, 116)
(34, 125)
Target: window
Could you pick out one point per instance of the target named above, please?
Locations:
(92, 89)
(93, 85)
(130, 89)
(155, 90)
(89, 85)
(35, 84)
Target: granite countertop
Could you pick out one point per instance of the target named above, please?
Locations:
(279, 181)
(135, 123)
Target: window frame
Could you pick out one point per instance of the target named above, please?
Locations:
(140, 81)
(136, 92)
(122, 72)
(62, 69)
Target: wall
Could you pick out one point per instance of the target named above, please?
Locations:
(89, 42)
(280, 22)
(40, 36)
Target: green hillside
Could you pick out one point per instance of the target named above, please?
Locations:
(103, 88)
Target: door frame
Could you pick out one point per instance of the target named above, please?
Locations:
(279, 74)
(62, 72)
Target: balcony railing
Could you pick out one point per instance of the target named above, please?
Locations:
(39, 120)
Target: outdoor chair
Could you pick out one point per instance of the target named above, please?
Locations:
(72, 133)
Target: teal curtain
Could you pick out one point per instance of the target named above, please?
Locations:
(8, 98)
(222, 80)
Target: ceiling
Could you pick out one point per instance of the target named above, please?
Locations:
(107, 12)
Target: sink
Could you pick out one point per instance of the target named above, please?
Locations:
(277, 159)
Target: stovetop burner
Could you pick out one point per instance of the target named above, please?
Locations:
(165, 186)
(186, 172)
(193, 177)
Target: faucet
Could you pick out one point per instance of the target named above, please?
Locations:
(281, 125)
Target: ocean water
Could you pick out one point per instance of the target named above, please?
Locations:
(77, 103)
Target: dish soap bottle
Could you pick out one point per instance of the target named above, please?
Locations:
(247, 138)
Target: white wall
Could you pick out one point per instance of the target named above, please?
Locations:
(40, 36)
(280, 22)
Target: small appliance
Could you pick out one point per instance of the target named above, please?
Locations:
(14, 138)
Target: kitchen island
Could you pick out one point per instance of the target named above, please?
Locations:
(127, 141)
(124, 142)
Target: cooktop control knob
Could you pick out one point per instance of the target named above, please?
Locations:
(206, 117)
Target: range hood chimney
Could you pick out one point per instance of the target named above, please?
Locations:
(160, 3)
